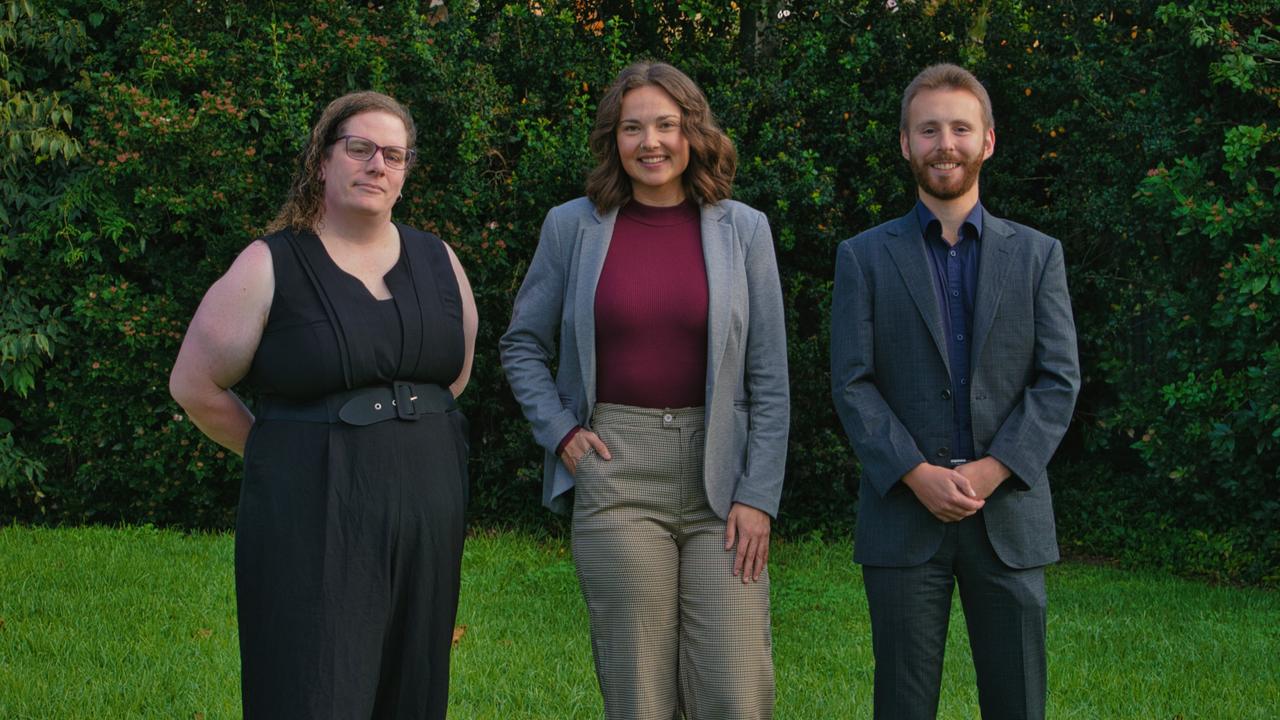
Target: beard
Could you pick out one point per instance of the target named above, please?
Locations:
(951, 188)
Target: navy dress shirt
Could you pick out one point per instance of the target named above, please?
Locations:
(955, 273)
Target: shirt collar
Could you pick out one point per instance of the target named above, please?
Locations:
(972, 222)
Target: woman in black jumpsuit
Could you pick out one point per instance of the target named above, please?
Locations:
(357, 332)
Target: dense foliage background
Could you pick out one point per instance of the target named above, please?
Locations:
(144, 143)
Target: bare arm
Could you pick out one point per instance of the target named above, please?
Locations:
(219, 348)
(470, 323)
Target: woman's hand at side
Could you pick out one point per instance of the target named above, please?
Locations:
(748, 528)
(219, 347)
(577, 448)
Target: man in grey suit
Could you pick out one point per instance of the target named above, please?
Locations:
(954, 371)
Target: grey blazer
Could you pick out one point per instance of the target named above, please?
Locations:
(747, 397)
(892, 386)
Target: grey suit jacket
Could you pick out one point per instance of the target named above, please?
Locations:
(747, 397)
(892, 386)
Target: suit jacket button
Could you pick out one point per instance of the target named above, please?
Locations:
(944, 452)
(946, 394)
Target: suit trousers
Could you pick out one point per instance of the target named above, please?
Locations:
(1004, 609)
(673, 632)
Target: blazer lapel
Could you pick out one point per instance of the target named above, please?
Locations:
(998, 244)
(906, 247)
(593, 247)
(717, 252)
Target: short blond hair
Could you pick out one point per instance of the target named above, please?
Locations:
(946, 76)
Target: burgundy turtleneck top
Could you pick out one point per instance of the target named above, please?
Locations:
(651, 309)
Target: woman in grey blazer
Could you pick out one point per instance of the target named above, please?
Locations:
(669, 408)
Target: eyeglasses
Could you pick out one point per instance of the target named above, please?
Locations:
(363, 149)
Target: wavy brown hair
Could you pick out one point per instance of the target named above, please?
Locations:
(712, 159)
(304, 207)
(946, 76)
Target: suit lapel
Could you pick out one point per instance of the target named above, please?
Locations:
(717, 252)
(998, 244)
(906, 247)
(593, 247)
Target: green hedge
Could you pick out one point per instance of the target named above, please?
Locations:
(144, 144)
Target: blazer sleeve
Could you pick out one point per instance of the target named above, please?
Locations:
(1030, 434)
(882, 443)
(765, 377)
(528, 345)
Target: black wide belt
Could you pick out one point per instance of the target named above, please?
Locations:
(364, 406)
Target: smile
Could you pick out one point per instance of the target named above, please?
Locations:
(945, 166)
(652, 160)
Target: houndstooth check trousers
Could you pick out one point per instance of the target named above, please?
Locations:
(674, 633)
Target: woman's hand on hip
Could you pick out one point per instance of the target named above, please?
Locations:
(748, 528)
(583, 443)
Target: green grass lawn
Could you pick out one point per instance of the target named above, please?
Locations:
(140, 623)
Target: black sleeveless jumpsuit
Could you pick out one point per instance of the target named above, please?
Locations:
(349, 539)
